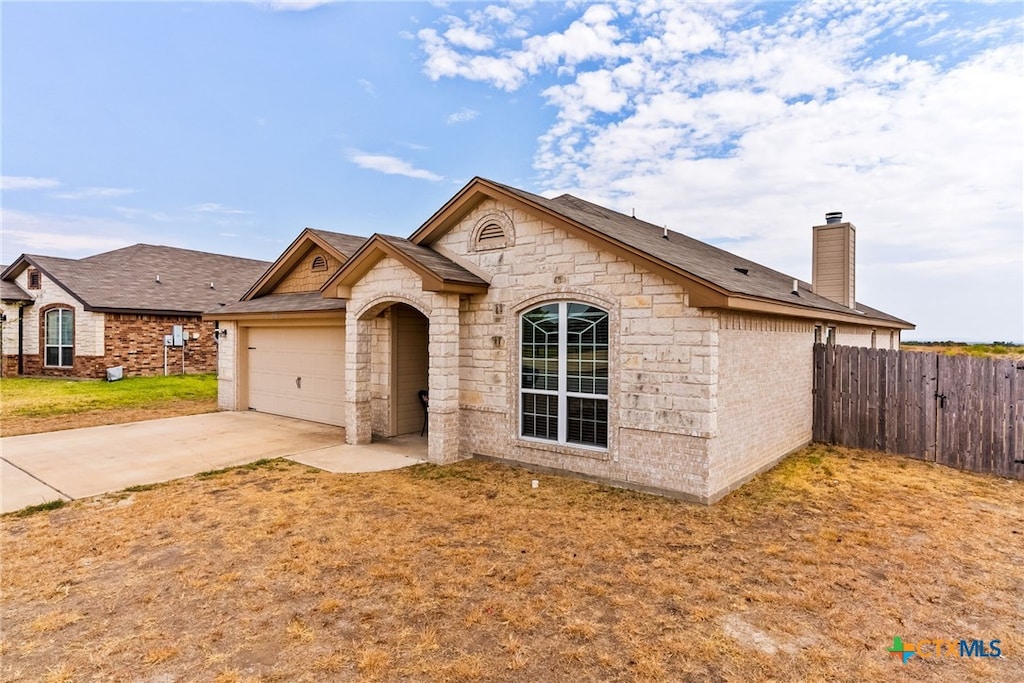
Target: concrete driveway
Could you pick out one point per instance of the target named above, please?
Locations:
(78, 463)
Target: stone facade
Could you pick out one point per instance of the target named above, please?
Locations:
(699, 399)
(230, 367)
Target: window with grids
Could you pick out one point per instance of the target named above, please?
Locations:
(564, 374)
(60, 337)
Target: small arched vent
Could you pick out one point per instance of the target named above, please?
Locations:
(319, 263)
(491, 236)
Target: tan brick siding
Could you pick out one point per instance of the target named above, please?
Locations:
(764, 395)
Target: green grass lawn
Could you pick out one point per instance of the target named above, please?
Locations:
(43, 404)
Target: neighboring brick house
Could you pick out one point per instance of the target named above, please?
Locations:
(78, 317)
(553, 333)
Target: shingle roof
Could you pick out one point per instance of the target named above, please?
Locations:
(281, 303)
(346, 244)
(149, 278)
(700, 259)
(440, 265)
(10, 291)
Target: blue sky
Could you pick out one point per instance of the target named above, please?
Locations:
(229, 127)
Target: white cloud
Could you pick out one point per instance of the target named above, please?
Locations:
(292, 5)
(94, 193)
(60, 235)
(391, 166)
(462, 115)
(367, 86)
(461, 35)
(214, 207)
(15, 182)
(729, 125)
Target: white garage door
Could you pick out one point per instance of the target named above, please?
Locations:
(298, 372)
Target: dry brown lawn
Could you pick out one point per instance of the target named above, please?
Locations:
(1011, 352)
(466, 573)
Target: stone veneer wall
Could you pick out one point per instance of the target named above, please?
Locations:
(380, 374)
(229, 368)
(386, 283)
(664, 357)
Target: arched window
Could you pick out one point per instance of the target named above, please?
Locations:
(60, 337)
(564, 374)
(319, 263)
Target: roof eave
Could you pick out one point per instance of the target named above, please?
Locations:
(276, 315)
(767, 306)
(144, 311)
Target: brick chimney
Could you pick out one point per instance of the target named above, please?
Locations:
(834, 262)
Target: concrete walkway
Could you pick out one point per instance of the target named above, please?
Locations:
(78, 463)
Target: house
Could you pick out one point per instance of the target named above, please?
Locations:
(552, 333)
(77, 317)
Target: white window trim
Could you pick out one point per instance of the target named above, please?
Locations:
(63, 312)
(563, 381)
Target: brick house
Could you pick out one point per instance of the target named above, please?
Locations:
(553, 333)
(78, 317)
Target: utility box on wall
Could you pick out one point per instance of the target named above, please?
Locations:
(178, 334)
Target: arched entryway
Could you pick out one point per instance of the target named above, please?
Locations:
(388, 340)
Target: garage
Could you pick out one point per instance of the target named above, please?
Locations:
(298, 372)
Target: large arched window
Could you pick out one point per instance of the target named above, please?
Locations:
(60, 337)
(564, 374)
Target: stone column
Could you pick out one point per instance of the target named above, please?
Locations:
(443, 416)
(358, 418)
(228, 379)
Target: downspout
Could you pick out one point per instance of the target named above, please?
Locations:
(21, 339)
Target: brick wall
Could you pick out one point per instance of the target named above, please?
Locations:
(764, 395)
(137, 343)
(104, 340)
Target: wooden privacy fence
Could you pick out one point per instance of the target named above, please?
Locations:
(955, 410)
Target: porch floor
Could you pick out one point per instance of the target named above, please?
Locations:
(382, 454)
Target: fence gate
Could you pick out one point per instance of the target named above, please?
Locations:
(956, 410)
